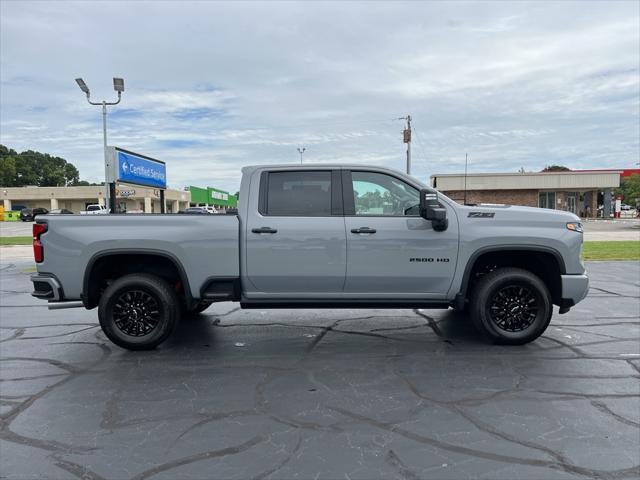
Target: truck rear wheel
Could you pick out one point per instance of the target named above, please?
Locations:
(138, 312)
(511, 305)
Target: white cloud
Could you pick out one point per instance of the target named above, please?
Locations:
(213, 86)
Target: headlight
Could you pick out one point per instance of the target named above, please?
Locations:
(575, 226)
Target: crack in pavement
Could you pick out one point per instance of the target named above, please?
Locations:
(233, 450)
(431, 322)
(497, 457)
(280, 464)
(392, 459)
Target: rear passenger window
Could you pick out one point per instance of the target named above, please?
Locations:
(304, 194)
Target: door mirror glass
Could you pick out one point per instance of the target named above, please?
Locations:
(431, 210)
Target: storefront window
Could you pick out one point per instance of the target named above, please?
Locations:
(547, 200)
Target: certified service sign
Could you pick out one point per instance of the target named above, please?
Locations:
(138, 169)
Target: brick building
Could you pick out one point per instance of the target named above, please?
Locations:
(581, 192)
(76, 199)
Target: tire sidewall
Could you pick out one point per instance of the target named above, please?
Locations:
(162, 294)
(498, 280)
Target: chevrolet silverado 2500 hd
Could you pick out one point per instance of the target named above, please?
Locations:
(316, 236)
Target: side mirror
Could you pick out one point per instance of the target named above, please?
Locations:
(430, 209)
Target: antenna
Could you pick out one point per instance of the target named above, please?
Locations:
(466, 161)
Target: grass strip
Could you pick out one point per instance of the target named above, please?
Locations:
(611, 250)
(16, 240)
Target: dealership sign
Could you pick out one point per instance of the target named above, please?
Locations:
(130, 167)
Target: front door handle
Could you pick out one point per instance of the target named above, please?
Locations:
(264, 230)
(363, 230)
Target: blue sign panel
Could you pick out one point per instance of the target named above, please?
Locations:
(141, 171)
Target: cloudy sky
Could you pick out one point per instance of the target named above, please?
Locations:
(213, 86)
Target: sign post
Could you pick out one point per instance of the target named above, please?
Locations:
(137, 169)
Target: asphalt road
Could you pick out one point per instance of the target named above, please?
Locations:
(353, 394)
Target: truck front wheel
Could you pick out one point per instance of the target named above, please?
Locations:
(138, 312)
(511, 305)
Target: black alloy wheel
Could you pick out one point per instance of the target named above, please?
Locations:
(514, 308)
(139, 311)
(511, 305)
(136, 313)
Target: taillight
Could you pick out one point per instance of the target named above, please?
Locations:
(38, 249)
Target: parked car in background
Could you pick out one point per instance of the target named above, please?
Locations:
(196, 211)
(95, 209)
(60, 211)
(29, 214)
(624, 207)
(211, 210)
(18, 208)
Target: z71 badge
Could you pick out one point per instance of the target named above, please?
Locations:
(481, 214)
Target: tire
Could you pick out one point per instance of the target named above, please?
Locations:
(138, 312)
(510, 305)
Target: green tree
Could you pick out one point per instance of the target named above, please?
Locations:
(35, 168)
(630, 189)
(71, 175)
(7, 171)
(556, 168)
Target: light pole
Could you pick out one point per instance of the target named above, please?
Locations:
(301, 151)
(109, 187)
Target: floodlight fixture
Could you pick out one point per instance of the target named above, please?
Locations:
(109, 186)
(118, 84)
(82, 85)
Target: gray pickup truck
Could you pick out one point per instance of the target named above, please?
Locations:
(316, 236)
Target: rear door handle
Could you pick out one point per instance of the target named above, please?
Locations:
(264, 230)
(363, 230)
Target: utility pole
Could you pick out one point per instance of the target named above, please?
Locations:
(406, 135)
(466, 161)
(301, 151)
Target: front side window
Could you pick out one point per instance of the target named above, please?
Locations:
(383, 195)
(303, 193)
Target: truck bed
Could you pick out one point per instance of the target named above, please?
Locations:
(206, 246)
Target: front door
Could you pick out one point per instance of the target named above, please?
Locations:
(296, 245)
(392, 252)
(571, 202)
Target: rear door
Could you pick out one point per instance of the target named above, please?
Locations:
(295, 241)
(391, 251)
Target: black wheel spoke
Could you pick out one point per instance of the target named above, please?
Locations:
(136, 313)
(514, 308)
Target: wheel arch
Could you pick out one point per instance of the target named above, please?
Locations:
(91, 288)
(546, 262)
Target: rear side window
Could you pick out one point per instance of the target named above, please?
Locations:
(304, 194)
